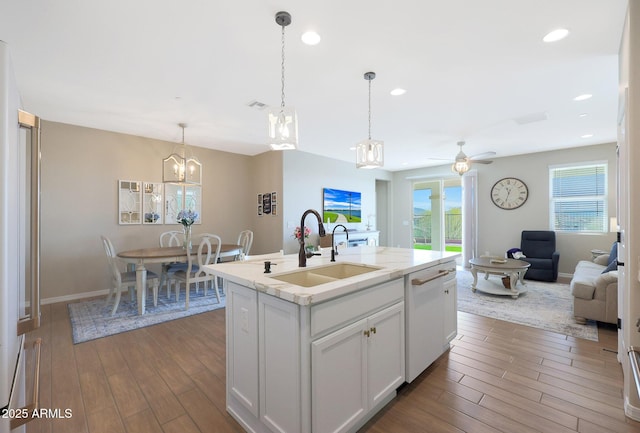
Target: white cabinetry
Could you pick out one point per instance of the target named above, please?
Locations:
(431, 316)
(356, 368)
(327, 367)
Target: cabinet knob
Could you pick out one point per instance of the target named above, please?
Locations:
(373, 330)
(447, 291)
(367, 333)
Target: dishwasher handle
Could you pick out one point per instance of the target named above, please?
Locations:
(441, 273)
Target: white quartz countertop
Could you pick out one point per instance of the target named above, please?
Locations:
(394, 263)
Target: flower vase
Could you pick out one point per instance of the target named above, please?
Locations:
(186, 243)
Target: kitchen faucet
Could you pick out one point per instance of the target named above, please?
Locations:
(302, 255)
(334, 251)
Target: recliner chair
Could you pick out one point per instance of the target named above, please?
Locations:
(539, 247)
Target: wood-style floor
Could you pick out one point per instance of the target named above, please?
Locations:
(498, 377)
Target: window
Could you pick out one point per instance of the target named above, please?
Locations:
(578, 195)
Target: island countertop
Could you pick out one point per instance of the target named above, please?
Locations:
(394, 263)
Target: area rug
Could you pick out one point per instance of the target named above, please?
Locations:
(547, 306)
(92, 319)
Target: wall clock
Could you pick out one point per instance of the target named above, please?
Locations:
(509, 193)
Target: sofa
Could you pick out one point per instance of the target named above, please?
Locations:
(595, 292)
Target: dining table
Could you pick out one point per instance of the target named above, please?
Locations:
(143, 256)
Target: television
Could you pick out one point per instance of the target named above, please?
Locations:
(341, 206)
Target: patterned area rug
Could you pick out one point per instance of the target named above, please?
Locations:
(91, 319)
(547, 306)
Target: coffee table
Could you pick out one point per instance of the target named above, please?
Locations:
(514, 269)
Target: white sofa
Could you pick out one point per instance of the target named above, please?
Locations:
(595, 295)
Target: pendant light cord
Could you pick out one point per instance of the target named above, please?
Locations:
(369, 109)
(282, 78)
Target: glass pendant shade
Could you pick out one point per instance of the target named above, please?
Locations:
(283, 128)
(181, 167)
(370, 154)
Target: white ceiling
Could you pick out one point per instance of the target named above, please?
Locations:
(470, 67)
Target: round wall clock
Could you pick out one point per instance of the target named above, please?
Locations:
(509, 193)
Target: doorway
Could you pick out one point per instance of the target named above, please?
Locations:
(437, 215)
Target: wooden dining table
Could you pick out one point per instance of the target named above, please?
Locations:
(143, 256)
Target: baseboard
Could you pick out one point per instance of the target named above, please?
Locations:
(74, 297)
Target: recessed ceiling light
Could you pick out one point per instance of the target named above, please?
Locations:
(583, 115)
(582, 97)
(398, 92)
(310, 38)
(586, 136)
(556, 35)
(352, 148)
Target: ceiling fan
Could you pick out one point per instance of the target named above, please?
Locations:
(462, 162)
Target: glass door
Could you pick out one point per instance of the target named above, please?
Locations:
(437, 215)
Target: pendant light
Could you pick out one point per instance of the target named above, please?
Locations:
(283, 123)
(370, 153)
(181, 167)
(462, 164)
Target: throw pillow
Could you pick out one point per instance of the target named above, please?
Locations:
(613, 259)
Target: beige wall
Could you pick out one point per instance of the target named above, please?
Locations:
(266, 177)
(80, 170)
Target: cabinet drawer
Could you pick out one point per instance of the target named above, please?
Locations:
(349, 308)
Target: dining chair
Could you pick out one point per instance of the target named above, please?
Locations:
(124, 280)
(172, 238)
(245, 239)
(208, 253)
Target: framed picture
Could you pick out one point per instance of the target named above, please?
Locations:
(341, 206)
(259, 209)
(274, 198)
(260, 199)
(274, 209)
(266, 203)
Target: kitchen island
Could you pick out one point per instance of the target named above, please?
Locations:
(323, 348)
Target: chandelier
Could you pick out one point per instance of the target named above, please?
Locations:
(283, 123)
(370, 153)
(181, 167)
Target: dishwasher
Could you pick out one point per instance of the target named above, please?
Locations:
(430, 316)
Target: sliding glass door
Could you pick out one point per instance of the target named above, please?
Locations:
(437, 215)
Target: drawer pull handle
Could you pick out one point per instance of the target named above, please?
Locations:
(419, 282)
(367, 333)
(373, 330)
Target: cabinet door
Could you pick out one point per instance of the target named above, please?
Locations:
(385, 353)
(338, 379)
(450, 310)
(279, 360)
(242, 347)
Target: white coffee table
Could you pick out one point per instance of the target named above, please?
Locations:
(514, 269)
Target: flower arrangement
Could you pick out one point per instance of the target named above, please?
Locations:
(187, 217)
(297, 233)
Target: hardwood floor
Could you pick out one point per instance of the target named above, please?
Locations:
(498, 377)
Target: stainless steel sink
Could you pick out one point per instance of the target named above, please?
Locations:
(324, 274)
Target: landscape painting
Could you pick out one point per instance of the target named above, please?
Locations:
(341, 206)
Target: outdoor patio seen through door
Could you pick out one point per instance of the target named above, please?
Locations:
(437, 215)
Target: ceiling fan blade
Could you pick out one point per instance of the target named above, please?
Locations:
(441, 159)
(482, 155)
(481, 161)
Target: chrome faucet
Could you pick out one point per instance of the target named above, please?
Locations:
(302, 255)
(334, 251)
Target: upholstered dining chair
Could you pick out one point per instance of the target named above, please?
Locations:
(172, 238)
(208, 253)
(124, 280)
(245, 239)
